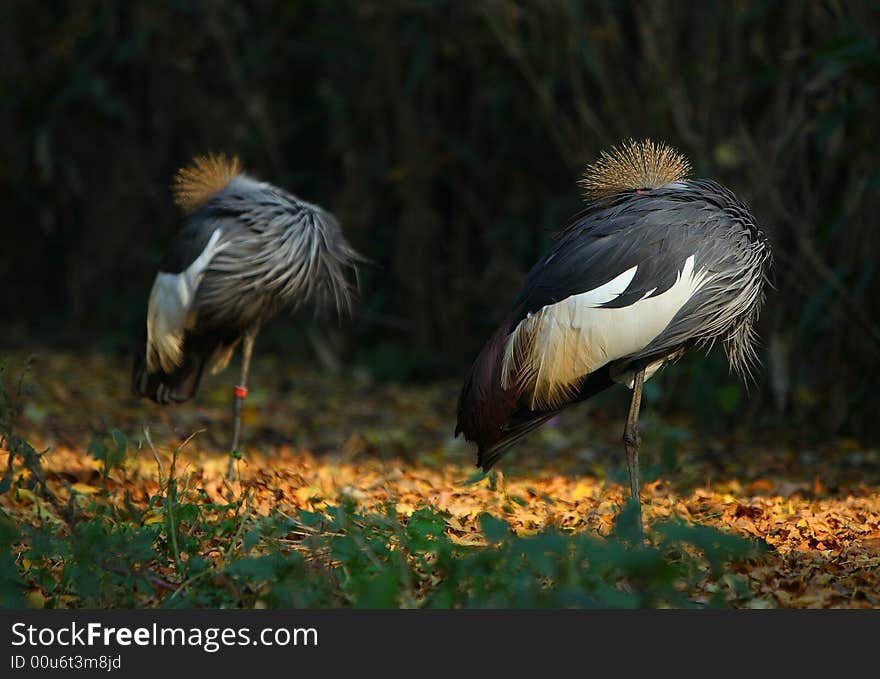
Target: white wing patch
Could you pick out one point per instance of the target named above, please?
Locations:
(549, 352)
(170, 304)
(609, 291)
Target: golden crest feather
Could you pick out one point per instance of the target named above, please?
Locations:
(633, 165)
(204, 177)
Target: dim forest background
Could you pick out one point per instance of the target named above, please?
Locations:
(448, 138)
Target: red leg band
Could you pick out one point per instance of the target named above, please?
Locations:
(241, 392)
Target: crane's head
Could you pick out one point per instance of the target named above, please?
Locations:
(204, 177)
(633, 166)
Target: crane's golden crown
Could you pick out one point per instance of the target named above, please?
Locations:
(633, 165)
(202, 178)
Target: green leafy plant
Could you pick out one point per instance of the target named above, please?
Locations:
(182, 549)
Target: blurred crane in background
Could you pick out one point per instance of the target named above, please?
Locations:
(655, 264)
(246, 251)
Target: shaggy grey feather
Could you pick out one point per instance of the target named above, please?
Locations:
(279, 252)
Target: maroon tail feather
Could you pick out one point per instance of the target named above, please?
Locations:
(496, 418)
(484, 406)
(183, 382)
(165, 388)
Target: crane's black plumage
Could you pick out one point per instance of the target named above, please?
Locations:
(182, 383)
(246, 250)
(656, 231)
(654, 265)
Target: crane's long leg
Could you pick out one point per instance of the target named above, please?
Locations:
(632, 440)
(247, 350)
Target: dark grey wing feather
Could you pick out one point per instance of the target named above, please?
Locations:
(727, 306)
(278, 251)
(188, 243)
(656, 232)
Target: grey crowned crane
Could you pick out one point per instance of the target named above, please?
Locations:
(246, 251)
(655, 264)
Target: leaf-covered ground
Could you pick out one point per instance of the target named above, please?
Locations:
(311, 440)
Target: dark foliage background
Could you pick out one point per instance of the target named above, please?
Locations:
(447, 137)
